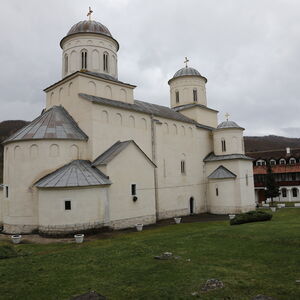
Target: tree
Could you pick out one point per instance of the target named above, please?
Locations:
(272, 188)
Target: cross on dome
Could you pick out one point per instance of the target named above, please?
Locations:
(227, 115)
(89, 14)
(186, 62)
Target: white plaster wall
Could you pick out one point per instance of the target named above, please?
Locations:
(95, 45)
(1, 205)
(185, 85)
(235, 195)
(24, 163)
(87, 206)
(131, 167)
(202, 115)
(233, 138)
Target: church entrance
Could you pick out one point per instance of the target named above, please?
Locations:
(191, 205)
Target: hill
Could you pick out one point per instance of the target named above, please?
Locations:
(7, 128)
(269, 142)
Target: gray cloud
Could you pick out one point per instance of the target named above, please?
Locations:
(248, 50)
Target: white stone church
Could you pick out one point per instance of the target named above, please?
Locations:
(97, 157)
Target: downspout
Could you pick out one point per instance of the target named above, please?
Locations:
(154, 159)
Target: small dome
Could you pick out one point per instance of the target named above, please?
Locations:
(186, 71)
(228, 124)
(89, 26)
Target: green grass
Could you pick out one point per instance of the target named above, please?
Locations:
(250, 259)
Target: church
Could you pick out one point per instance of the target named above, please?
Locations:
(98, 157)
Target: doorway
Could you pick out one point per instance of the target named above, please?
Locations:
(191, 205)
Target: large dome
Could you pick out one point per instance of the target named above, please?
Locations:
(89, 26)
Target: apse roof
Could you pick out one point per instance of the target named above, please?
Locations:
(113, 151)
(187, 71)
(212, 157)
(145, 107)
(221, 173)
(78, 173)
(54, 123)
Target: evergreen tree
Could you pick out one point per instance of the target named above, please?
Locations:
(272, 188)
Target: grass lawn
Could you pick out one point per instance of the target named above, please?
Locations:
(250, 259)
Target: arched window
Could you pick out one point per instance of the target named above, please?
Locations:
(292, 161)
(295, 192)
(84, 59)
(261, 162)
(195, 97)
(223, 142)
(177, 96)
(282, 161)
(66, 64)
(272, 162)
(105, 62)
(283, 192)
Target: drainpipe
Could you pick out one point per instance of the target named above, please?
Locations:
(154, 159)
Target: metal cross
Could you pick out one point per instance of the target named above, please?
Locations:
(227, 115)
(186, 61)
(89, 14)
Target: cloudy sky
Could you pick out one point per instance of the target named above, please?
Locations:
(248, 49)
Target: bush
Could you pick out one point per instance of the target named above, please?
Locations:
(7, 251)
(251, 216)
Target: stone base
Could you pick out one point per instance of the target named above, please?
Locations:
(130, 222)
(225, 210)
(19, 229)
(57, 230)
(173, 213)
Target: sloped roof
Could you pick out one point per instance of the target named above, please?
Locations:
(78, 173)
(221, 173)
(275, 154)
(212, 157)
(186, 106)
(113, 151)
(145, 107)
(55, 123)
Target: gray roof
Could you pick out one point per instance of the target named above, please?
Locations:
(213, 157)
(113, 151)
(145, 107)
(55, 123)
(221, 173)
(95, 74)
(90, 27)
(228, 124)
(78, 173)
(186, 106)
(187, 71)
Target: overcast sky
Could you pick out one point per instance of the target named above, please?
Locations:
(248, 50)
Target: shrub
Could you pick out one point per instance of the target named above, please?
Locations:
(251, 216)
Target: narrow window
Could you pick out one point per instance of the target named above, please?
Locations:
(223, 145)
(84, 59)
(67, 205)
(66, 64)
(292, 161)
(133, 189)
(177, 96)
(247, 180)
(295, 192)
(282, 161)
(217, 191)
(6, 191)
(195, 97)
(183, 167)
(272, 162)
(283, 193)
(105, 61)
